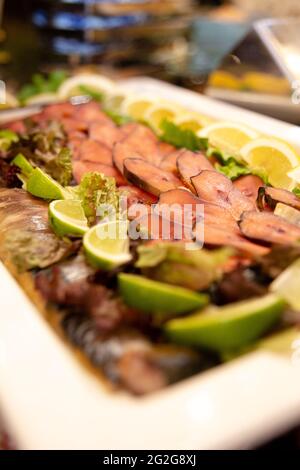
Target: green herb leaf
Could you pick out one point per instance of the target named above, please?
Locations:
(42, 84)
(7, 138)
(296, 191)
(95, 95)
(182, 138)
(118, 119)
(96, 189)
(232, 169)
(60, 167)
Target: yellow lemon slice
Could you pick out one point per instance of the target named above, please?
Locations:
(136, 106)
(156, 113)
(96, 83)
(228, 136)
(274, 156)
(192, 121)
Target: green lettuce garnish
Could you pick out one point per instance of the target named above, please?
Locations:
(60, 167)
(96, 189)
(7, 138)
(42, 84)
(95, 95)
(174, 264)
(182, 138)
(118, 119)
(46, 149)
(232, 168)
(296, 191)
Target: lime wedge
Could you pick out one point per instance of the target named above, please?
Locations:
(152, 296)
(21, 162)
(227, 328)
(67, 218)
(41, 185)
(287, 285)
(107, 245)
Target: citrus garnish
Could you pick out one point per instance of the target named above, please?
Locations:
(136, 106)
(227, 328)
(159, 112)
(227, 136)
(287, 285)
(275, 157)
(157, 297)
(67, 218)
(41, 185)
(107, 245)
(75, 85)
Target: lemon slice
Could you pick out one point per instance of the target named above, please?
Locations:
(288, 213)
(274, 156)
(43, 98)
(156, 113)
(107, 245)
(295, 175)
(96, 83)
(287, 285)
(228, 136)
(114, 101)
(136, 106)
(67, 218)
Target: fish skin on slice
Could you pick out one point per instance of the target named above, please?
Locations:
(270, 228)
(249, 185)
(122, 151)
(272, 196)
(212, 186)
(190, 164)
(92, 151)
(149, 177)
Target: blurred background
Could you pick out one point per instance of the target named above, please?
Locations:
(230, 50)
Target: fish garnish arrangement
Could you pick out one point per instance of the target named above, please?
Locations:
(161, 243)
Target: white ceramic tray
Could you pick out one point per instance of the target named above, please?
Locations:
(50, 401)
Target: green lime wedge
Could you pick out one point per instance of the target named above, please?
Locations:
(227, 328)
(67, 218)
(24, 165)
(287, 285)
(107, 245)
(152, 296)
(41, 185)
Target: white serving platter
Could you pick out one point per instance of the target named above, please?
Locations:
(50, 401)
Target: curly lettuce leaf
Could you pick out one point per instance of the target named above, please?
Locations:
(60, 167)
(182, 138)
(96, 189)
(232, 168)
